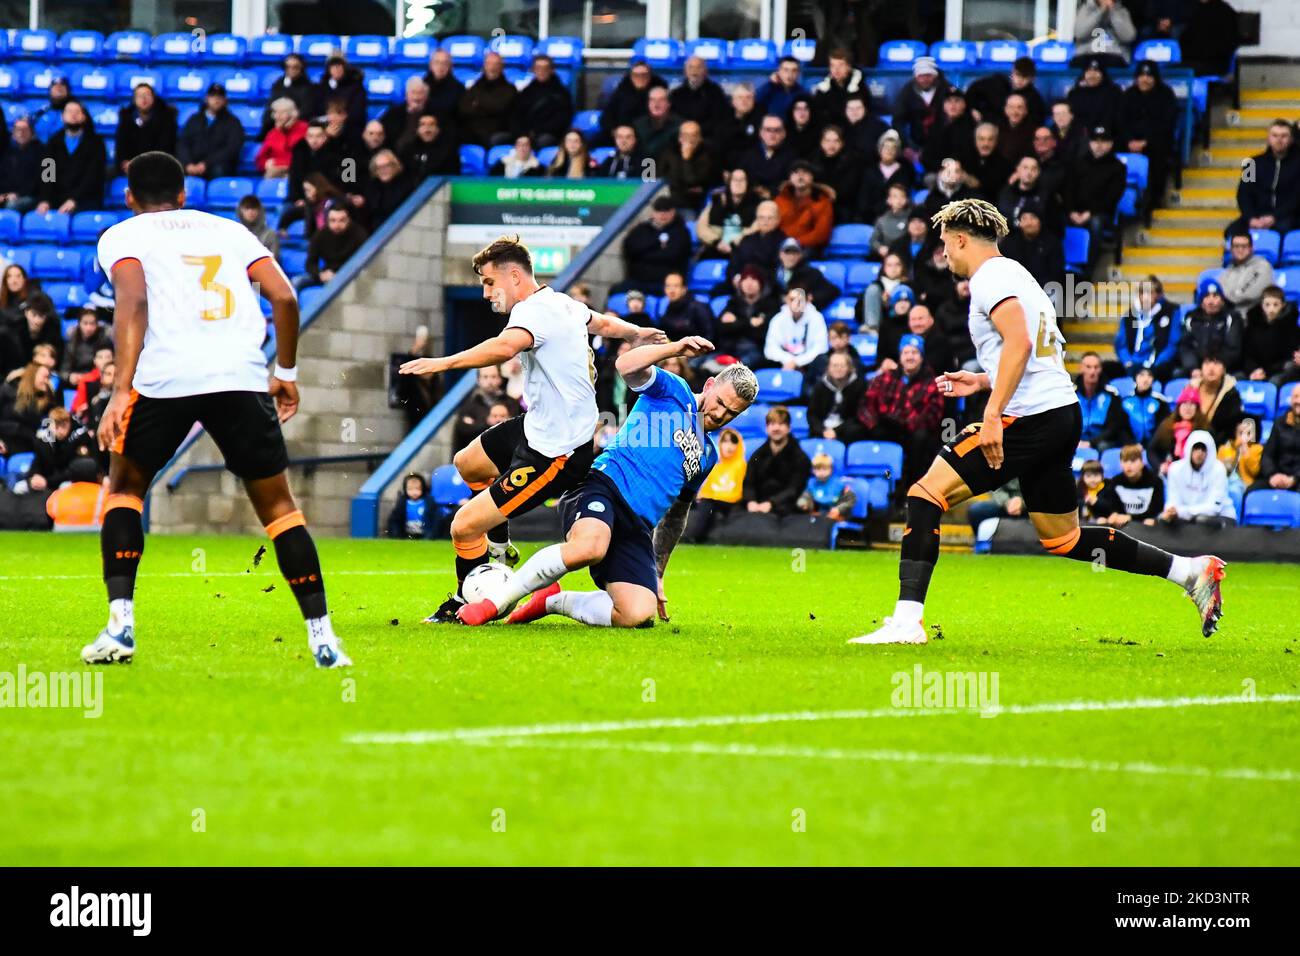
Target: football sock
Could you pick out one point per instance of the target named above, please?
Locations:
(499, 540)
(589, 607)
(542, 569)
(121, 542)
(1184, 571)
(919, 555)
(320, 631)
(1114, 550)
(295, 552)
(468, 557)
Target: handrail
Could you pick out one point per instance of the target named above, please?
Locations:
(351, 269)
(308, 464)
(365, 506)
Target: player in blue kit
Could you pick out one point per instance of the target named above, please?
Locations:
(626, 517)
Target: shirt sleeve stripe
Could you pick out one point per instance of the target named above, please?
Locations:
(122, 260)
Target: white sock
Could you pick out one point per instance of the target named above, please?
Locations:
(909, 612)
(541, 570)
(497, 551)
(121, 614)
(589, 607)
(1184, 571)
(320, 631)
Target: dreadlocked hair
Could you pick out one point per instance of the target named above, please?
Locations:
(975, 216)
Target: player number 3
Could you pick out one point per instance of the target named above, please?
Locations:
(207, 281)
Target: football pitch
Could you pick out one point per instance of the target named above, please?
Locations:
(1065, 717)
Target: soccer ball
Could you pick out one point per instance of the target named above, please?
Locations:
(485, 578)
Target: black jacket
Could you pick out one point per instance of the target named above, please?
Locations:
(157, 131)
(439, 158)
(619, 166)
(686, 316)
(767, 170)
(53, 457)
(1210, 37)
(843, 173)
(543, 109)
(78, 175)
(1203, 333)
(304, 161)
(1269, 345)
(756, 249)
(827, 399)
(382, 199)
(627, 104)
(330, 250)
(913, 117)
(651, 253)
(820, 289)
(1095, 105)
(1281, 454)
(1096, 186)
(829, 98)
(217, 143)
(352, 91)
(735, 135)
(1043, 257)
(1140, 498)
(400, 125)
(485, 109)
(20, 169)
(873, 187)
(1275, 188)
(780, 478)
(303, 93)
(444, 94)
(750, 325)
(707, 105)
(950, 139)
(1150, 116)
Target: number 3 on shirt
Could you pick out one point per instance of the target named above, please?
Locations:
(210, 265)
(1048, 343)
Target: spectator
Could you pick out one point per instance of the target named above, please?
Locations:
(519, 162)
(472, 416)
(903, 404)
(88, 337)
(91, 383)
(953, 134)
(1148, 121)
(658, 128)
(916, 242)
(889, 167)
(1171, 436)
(1270, 198)
(1210, 38)
(1071, 135)
(1198, 486)
(949, 186)
(891, 225)
(1135, 494)
(1015, 129)
(386, 188)
(16, 289)
(20, 168)
(146, 124)
(932, 281)
(211, 140)
(699, 98)
(314, 153)
(938, 353)
(340, 130)
(801, 134)
(1026, 184)
(797, 333)
(319, 197)
(252, 214)
(1145, 408)
(1091, 485)
(487, 105)
(401, 120)
(761, 246)
(1147, 337)
(57, 95)
(1241, 458)
(331, 247)
(412, 515)
(768, 161)
(688, 169)
(1247, 274)
(1270, 337)
(655, 247)
(722, 489)
(94, 409)
(839, 341)
(1279, 465)
(1004, 502)
(1095, 187)
(841, 171)
(783, 87)
(76, 160)
(628, 161)
(831, 94)
(431, 153)
(862, 131)
(373, 139)
(628, 102)
(1052, 166)
(544, 107)
(893, 274)
(738, 131)
(293, 84)
(827, 493)
(342, 82)
(953, 317)
(24, 403)
(40, 325)
(1212, 326)
(833, 405)
(894, 322)
(793, 271)
(807, 208)
(988, 96)
(683, 315)
(1040, 252)
(64, 452)
(444, 89)
(1105, 27)
(275, 155)
(917, 107)
(741, 329)
(1219, 398)
(985, 170)
(1104, 423)
(778, 471)
(727, 217)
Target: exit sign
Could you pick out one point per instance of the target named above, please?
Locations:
(550, 260)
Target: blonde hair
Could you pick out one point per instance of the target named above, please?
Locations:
(977, 217)
(743, 381)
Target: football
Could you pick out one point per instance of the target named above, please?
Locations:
(484, 578)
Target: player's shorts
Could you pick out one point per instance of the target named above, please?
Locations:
(631, 555)
(526, 477)
(244, 425)
(1038, 449)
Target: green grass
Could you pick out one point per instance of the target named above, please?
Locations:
(224, 713)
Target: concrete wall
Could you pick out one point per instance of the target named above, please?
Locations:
(1279, 27)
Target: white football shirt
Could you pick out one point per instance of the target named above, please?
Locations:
(206, 326)
(559, 372)
(1046, 384)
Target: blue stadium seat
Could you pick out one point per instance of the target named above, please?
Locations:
(660, 54)
(11, 226)
(750, 423)
(367, 50)
(496, 153)
(17, 467)
(1077, 240)
(868, 459)
(1290, 253)
(546, 154)
(1159, 51)
(185, 83)
(1110, 461)
(843, 309)
(707, 273)
(586, 122)
(779, 385)
(93, 82)
(1212, 273)
(850, 240)
(66, 296)
(1258, 398)
(1001, 53)
(18, 256)
(473, 161)
(226, 191)
(515, 49)
(617, 303)
(1268, 244)
(1123, 386)
(464, 50)
(711, 50)
(61, 265)
(602, 153)
(1288, 280)
(752, 54)
(717, 304)
(1081, 455)
(954, 54)
(34, 45)
(825, 446)
(175, 48)
(901, 52)
(920, 196)
(224, 48)
(798, 421)
(128, 76)
(1138, 168)
(272, 48)
(1175, 386)
(866, 344)
(835, 272)
(81, 45)
(803, 49)
(242, 86)
(1052, 53)
(564, 50)
(36, 80)
(384, 87)
(316, 48)
(249, 116)
(272, 192)
(1268, 508)
(196, 191)
(49, 226)
(294, 261)
(309, 298)
(11, 84)
(127, 45)
(1284, 397)
(447, 488)
(87, 226)
(413, 51)
(859, 276)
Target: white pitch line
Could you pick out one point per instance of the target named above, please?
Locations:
(464, 734)
(333, 572)
(704, 748)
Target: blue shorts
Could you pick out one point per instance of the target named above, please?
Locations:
(631, 554)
